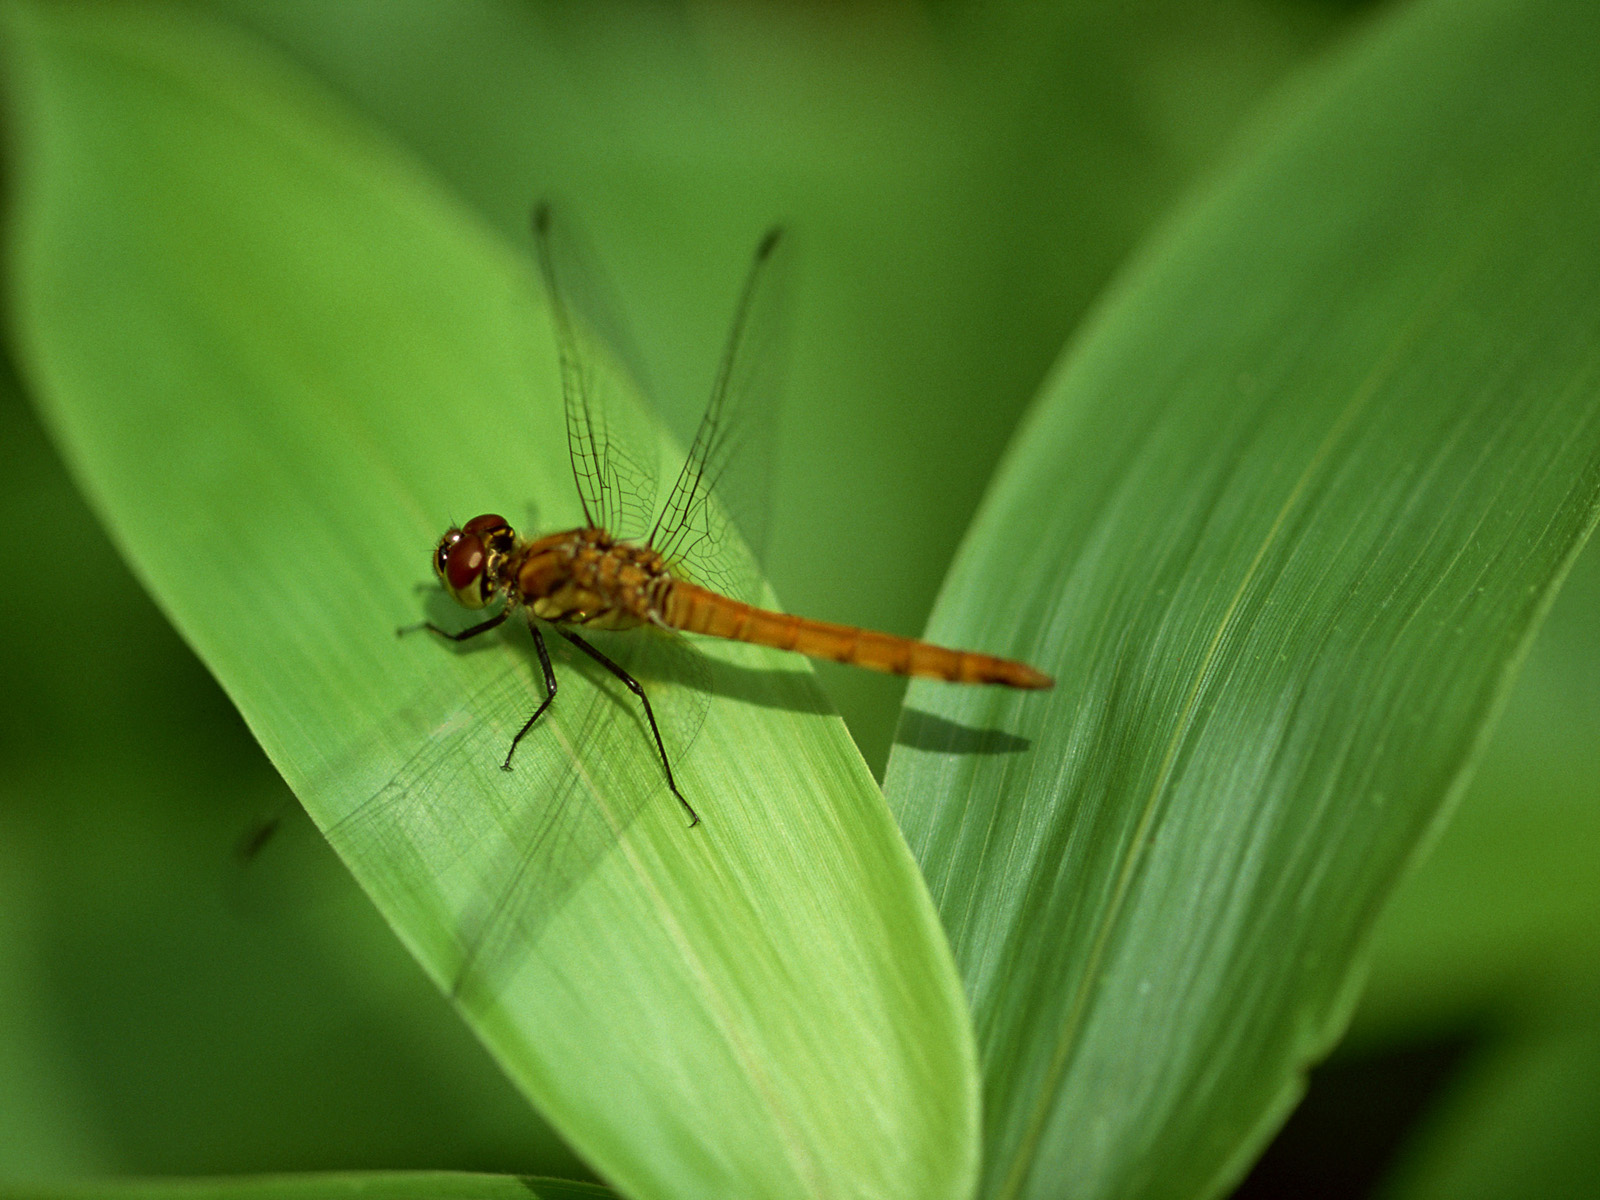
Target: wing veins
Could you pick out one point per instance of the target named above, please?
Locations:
(691, 492)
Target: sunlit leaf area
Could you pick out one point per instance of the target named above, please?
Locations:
(1235, 364)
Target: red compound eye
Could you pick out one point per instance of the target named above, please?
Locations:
(463, 563)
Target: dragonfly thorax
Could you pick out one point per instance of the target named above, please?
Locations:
(587, 577)
(471, 561)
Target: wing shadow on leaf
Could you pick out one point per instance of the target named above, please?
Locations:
(472, 862)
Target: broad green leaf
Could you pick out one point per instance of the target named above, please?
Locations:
(1505, 909)
(1282, 524)
(1495, 934)
(279, 360)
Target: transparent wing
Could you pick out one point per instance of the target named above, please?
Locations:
(494, 856)
(676, 677)
(613, 444)
(609, 439)
(712, 526)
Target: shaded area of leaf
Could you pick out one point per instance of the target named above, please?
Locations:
(928, 731)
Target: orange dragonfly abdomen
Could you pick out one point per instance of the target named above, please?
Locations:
(695, 609)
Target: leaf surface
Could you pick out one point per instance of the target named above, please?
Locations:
(1281, 524)
(279, 360)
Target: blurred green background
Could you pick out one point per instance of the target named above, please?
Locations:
(963, 182)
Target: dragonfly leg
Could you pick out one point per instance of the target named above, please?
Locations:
(470, 632)
(634, 686)
(549, 691)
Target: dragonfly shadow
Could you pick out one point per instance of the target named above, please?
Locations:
(766, 687)
(481, 860)
(925, 731)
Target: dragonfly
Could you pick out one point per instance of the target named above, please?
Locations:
(594, 577)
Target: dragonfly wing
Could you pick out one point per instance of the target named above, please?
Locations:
(491, 857)
(676, 677)
(611, 440)
(712, 526)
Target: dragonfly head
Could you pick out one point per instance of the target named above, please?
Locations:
(470, 561)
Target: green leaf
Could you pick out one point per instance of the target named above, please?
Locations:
(1282, 525)
(278, 360)
(1503, 911)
